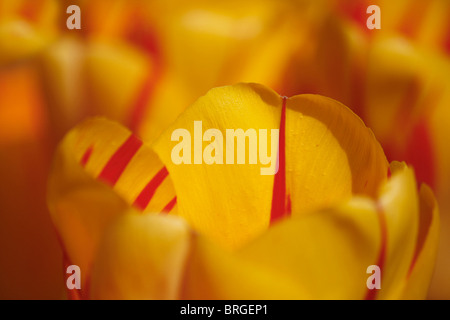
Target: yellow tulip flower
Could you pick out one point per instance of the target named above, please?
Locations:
(142, 227)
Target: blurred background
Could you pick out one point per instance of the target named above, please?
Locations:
(143, 62)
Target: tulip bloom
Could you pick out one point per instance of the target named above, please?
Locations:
(142, 227)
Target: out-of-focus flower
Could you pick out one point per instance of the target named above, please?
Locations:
(310, 231)
(207, 44)
(26, 27)
(426, 22)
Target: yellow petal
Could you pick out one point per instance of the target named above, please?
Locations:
(100, 170)
(210, 44)
(326, 253)
(164, 106)
(215, 273)
(398, 207)
(141, 257)
(423, 262)
(26, 27)
(18, 40)
(80, 213)
(229, 203)
(157, 257)
(63, 70)
(329, 154)
(106, 62)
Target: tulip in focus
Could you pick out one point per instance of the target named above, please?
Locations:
(141, 227)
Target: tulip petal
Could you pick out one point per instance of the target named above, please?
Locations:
(20, 40)
(330, 154)
(235, 199)
(110, 153)
(422, 266)
(326, 253)
(26, 27)
(100, 170)
(80, 208)
(215, 273)
(398, 207)
(63, 70)
(141, 257)
(312, 129)
(105, 64)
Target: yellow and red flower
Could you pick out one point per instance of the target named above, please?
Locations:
(222, 231)
(166, 54)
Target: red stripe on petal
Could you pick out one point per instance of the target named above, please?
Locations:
(372, 293)
(86, 156)
(170, 205)
(119, 161)
(279, 183)
(147, 193)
